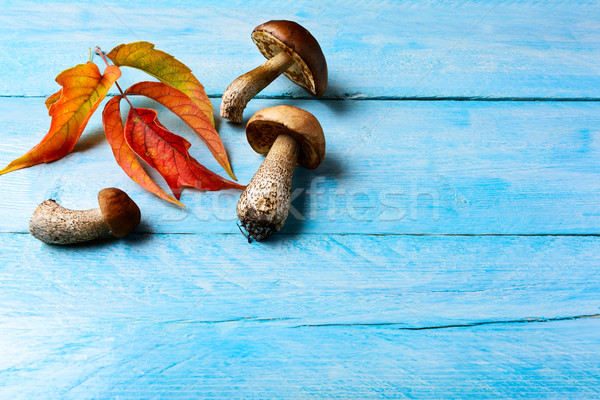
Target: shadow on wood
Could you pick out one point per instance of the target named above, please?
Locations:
(90, 139)
(307, 185)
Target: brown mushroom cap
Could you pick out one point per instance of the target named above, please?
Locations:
(268, 123)
(120, 213)
(310, 67)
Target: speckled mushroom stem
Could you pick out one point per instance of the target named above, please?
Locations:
(54, 224)
(244, 88)
(265, 204)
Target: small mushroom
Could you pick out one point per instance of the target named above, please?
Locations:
(117, 214)
(288, 136)
(290, 49)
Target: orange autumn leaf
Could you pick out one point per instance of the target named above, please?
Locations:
(113, 128)
(165, 68)
(83, 88)
(180, 104)
(168, 154)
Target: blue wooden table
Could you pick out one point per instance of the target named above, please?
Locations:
(447, 247)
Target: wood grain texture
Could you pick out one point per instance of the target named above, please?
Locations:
(313, 316)
(377, 49)
(391, 167)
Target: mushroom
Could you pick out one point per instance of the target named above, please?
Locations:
(288, 136)
(290, 49)
(117, 214)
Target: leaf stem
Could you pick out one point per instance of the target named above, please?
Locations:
(98, 51)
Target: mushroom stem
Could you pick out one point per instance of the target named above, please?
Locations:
(54, 224)
(265, 204)
(244, 88)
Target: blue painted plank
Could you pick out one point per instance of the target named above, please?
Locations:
(209, 316)
(231, 360)
(378, 49)
(310, 279)
(391, 167)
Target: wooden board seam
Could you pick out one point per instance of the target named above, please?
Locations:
(474, 235)
(465, 325)
(376, 98)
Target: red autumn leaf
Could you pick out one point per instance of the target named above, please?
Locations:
(165, 68)
(183, 106)
(113, 128)
(83, 88)
(168, 154)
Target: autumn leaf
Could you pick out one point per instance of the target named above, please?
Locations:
(168, 154)
(180, 104)
(83, 88)
(165, 68)
(113, 128)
